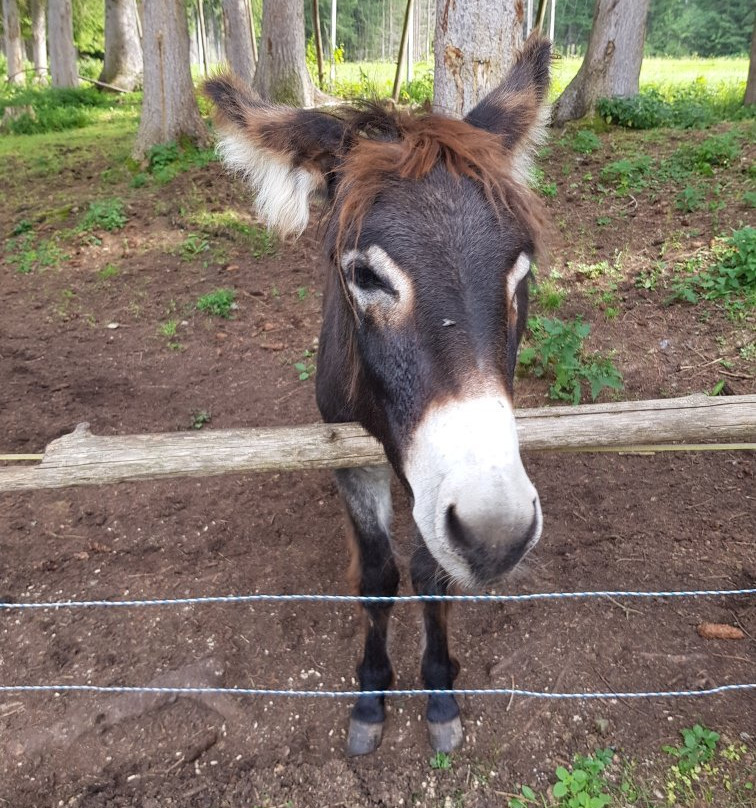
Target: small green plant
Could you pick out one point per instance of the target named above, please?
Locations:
(555, 351)
(628, 174)
(749, 198)
(586, 142)
(302, 293)
(26, 255)
(648, 278)
(525, 797)
(199, 418)
(305, 367)
(689, 199)
(218, 302)
(548, 296)
(106, 214)
(699, 745)
(168, 329)
(166, 160)
(584, 786)
(441, 760)
(193, 245)
(108, 272)
(538, 181)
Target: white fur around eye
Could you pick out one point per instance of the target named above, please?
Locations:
(516, 275)
(398, 304)
(282, 192)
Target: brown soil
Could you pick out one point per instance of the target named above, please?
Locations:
(672, 521)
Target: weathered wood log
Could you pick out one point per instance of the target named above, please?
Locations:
(85, 459)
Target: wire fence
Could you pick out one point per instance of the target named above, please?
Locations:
(337, 694)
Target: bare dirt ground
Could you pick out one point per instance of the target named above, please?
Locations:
(672, 521)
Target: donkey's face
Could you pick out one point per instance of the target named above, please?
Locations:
(431, 236)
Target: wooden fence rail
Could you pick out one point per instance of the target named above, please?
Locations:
(82, 458)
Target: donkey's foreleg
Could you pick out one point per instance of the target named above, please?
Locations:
(438, 668)
(367, 496)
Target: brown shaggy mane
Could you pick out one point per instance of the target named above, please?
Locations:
(381, 144)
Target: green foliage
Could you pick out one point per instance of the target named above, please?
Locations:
(55, 109)
(218, 302)
(107, 214)
(259, 240)
(166, 160)
(586, 142)
(199, 418)
(193, 245)
(547, 295)
(683, 106)
(749, 197)
(441, 760)
(699, 745)
(539, 182)
(714, 152)
(305, 367)
(733, 274)
(419, 90)
(627, 174)
(689, 199)
(26, 254)
(555, 351)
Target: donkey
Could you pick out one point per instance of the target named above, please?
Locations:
(429, 236)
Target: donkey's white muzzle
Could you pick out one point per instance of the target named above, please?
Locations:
(474, 505)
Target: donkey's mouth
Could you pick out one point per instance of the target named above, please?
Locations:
(489, 560)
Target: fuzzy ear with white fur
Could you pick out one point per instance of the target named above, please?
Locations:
(515, 110)
(284, 153)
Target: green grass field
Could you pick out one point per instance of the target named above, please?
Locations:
(654, 71)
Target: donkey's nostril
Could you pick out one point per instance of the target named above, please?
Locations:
(456, 529)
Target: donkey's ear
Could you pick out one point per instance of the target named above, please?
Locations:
(283, 153)
(515, 110)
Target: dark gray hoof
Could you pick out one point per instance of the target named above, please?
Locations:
(363, 738)
(445, 736)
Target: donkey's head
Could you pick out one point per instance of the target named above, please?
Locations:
(430, 238)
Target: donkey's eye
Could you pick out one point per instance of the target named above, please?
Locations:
(368, 280)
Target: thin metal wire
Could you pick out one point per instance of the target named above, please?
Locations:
(338, 694)
(70, 604)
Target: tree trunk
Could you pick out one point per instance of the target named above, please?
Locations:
(14, 52)
(750, 93)
(62, 51)
(203, 36)
(123, 50)
(281, 74)
(169, 107)
(612, 62)
(475, 44)
(239, 39)
(39, 38)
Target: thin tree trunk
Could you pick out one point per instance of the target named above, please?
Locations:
(203, 36)
(239, 39)
(475, 44)
(39, 38)
(62, 51)
(612, 63)
(318, 40)
(281, 69)
(14, 51)
(750, 93)
(334, 8)
(402, 51)
(252, 32)
(169, 107)
(123, 50)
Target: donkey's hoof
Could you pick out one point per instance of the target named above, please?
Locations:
(445, 736)
(363, 738)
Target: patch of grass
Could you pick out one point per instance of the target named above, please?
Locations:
(108, 272)
(218, 302)
(696, 104)
(107, 214)
(586, 142)
(628, 174)
(690, 199)
(441, 761)
(168, 328)
(27, 254)
(548, 296)
(555, 350)
(539, 182)
(167, 160)
(230, 224)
